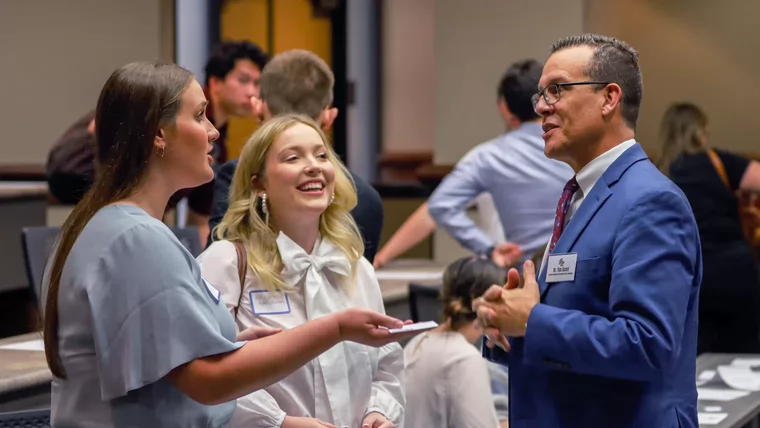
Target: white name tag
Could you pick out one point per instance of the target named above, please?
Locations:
(267, 303)
(561, 267)
(216, 294)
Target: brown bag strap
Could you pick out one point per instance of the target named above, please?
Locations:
(242, 264)
(718, 164)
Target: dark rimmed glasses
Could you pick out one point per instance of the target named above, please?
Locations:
(553, 93)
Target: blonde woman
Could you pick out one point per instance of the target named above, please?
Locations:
(289, 212)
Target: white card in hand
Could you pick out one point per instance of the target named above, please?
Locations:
(426, 325)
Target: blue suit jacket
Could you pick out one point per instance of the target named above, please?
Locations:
(617, 346)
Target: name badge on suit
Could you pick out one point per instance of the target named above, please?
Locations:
(561, 267)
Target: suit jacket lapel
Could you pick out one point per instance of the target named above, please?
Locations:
(578, 223)
(591, 204)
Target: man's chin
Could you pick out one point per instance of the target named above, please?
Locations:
(553, 149)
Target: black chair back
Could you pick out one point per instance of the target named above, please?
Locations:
(425, 302)
(36, 243)
(26, 419)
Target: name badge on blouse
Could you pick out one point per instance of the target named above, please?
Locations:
(561, 267)
(215, 294)
(268, 303)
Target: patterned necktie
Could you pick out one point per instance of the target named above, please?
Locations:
(564, 203)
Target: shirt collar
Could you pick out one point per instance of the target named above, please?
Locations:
(593, 171)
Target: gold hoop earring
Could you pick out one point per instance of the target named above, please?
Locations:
(160, 152)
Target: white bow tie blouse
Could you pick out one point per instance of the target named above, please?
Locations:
(342, 385)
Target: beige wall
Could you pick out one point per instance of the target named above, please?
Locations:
(56, 55)
(704, 51)
(475, 41)
(442, 60)
(408, 66)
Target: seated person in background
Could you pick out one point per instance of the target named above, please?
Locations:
(70, 166)
(500, 390)
(300, 82)
(447, 380)
(523, 183)
(232, 81)
(289, 213)
(729, 321)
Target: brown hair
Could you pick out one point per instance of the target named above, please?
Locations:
(681, 131)
(297, 81)
(135, 101)
(465, 280)
(614, 61)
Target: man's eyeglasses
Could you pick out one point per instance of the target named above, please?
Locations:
(553, 93)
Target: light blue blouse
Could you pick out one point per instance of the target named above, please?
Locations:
(132, 307)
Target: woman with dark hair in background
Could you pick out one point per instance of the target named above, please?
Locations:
(447, 380)
(134, 336)
(729, 313)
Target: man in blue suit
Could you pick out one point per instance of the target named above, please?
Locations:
(606, 335)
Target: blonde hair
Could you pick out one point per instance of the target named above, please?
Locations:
(681, 132)
(245, 222)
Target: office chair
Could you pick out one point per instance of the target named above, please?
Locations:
(26, 419)
(36, 243)
(425, 302)
(190, 238)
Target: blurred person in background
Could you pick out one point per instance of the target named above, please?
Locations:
(729, 320)
(523, 183)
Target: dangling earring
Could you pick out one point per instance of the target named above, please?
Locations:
(161, 151)
(332, 198)
(264, 208)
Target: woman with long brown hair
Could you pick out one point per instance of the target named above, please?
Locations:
(134, 336)
(729, 320)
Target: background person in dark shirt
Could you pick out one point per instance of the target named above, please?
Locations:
(233, 71)
(300, 82)
(729, 314)
(70, 167)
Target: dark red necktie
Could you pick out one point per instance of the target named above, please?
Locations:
(564, 203)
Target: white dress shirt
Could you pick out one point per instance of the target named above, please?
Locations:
(587, 178)
(490, 222)
(342, 385)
